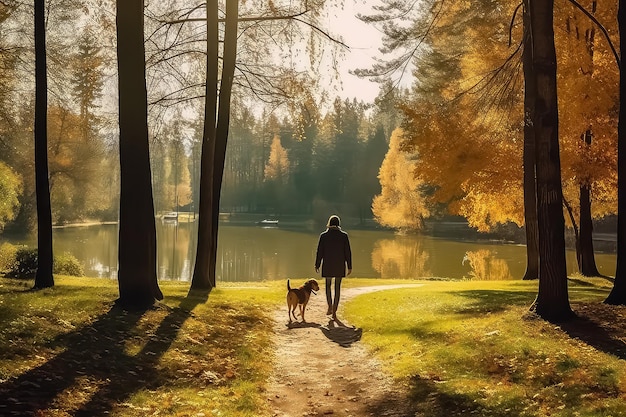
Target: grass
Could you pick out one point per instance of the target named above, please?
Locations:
(69, 351)
(464, 348)
(461, 348)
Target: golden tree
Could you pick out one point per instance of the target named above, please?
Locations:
(277, 167)
(400, 204)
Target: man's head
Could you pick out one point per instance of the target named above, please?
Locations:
(334, 221)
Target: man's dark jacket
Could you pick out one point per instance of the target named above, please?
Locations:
(333, 253)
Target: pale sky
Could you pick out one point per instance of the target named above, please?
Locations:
(363, 40)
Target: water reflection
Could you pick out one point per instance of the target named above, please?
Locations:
(174, 246)
(486, 265)
(400, 258)
(254, 253)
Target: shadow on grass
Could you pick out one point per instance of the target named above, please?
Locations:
(427, 398)
(492, 301)
(95, 358)
(599, 325)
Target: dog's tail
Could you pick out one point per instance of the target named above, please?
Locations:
(288, 286)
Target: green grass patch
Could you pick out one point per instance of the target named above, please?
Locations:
(464, 349)
(67, 350)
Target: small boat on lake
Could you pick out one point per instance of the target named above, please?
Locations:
(172, 216)
(268, 222)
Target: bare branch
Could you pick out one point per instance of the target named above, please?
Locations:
(294, 17)
(241, 19)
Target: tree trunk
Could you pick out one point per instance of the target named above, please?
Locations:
(552, 302)
(137, 275)
(223, 115)
(43, 277)
(584, 247)
(618, 293)
(530, 185)
(204, 268)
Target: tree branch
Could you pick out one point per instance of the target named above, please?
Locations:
(294, 17)
(602, 29)
(240, 19)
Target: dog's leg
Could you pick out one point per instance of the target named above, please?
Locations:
(302, 307)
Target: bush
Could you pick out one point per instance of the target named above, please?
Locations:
(25, 265)
(67, 264)
(22, 262)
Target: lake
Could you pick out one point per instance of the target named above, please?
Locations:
(249, 252)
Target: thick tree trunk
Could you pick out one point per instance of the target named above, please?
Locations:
(552, 301)
(204, 268)
(618, 293)
(530, 184)
(43, 277)
(137, 275)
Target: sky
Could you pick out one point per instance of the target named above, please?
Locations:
(363, 40)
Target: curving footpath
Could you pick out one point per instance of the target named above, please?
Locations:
(321, 368)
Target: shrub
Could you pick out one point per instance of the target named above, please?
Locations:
(22, 262)
(67, 264)
(25, 265)
(7, 257)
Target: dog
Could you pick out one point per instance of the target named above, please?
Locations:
(300, 297)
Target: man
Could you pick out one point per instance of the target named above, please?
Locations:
(333, 254)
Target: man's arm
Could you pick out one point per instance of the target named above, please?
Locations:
(319, 253)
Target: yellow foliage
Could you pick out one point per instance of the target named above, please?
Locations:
(588, 102)
(400, 204)
(277, 167)
(466, 118)
(11, 188)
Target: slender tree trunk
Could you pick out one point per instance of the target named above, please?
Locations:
(530, 185)
(223, 119)
(584, 246)
(43, 277)
(137, 275)
(204, 268)
(618, 293)
(572, 218)
(552, 302)
(586, 259)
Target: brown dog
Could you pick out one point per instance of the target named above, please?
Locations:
(300, 297)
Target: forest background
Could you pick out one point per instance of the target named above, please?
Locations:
(288, 153)
(293, 149)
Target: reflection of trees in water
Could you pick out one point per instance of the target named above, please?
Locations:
(486, 266)
(400, 258)
(173, 252)
(253, 264)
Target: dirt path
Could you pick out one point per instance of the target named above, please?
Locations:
(322, 368)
